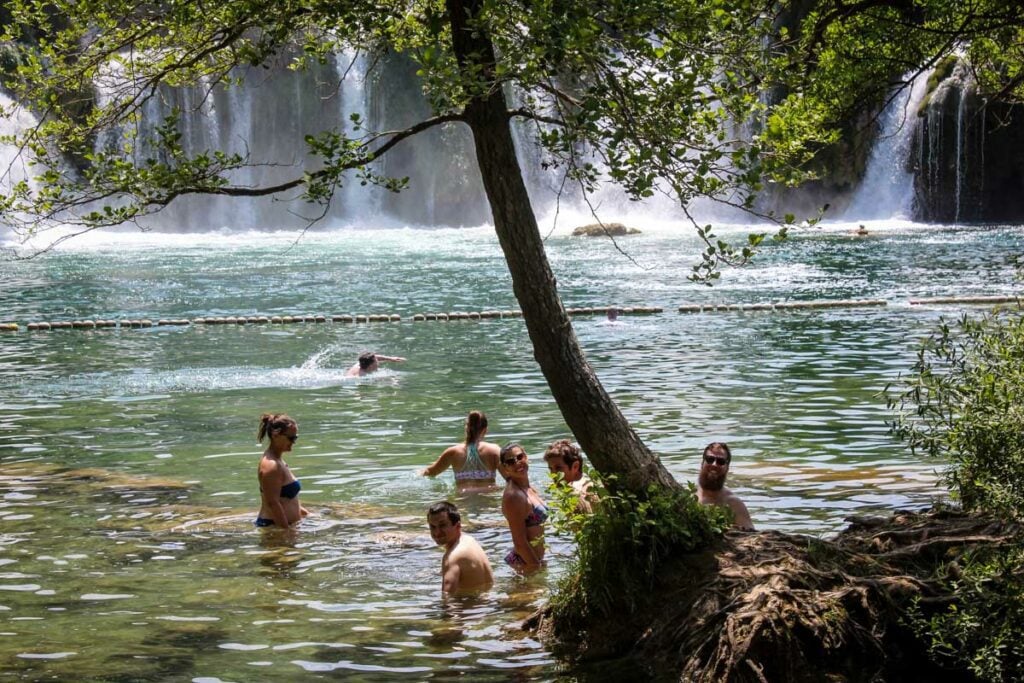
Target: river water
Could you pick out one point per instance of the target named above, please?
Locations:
(128, 485)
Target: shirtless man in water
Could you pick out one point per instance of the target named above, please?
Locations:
(714, 468)
(464, 567)
(370, 362)
(564, 457)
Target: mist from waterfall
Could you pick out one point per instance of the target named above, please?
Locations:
(887, 190)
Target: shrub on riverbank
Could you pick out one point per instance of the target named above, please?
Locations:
(982, 630)
(621, 546)
(964, 403)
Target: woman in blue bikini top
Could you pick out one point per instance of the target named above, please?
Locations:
(279, 489)
(474, 461)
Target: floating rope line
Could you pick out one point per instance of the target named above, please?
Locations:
(483, 315)
(781, 305)
(966, 300)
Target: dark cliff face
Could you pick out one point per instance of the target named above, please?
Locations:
(968, 156)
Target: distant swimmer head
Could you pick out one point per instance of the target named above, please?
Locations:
(613, 314)
(368, 361)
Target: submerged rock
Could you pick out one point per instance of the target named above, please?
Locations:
(604, 229)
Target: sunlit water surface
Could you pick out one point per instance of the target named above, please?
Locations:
(128, 487)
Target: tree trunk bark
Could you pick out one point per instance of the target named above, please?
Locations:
(596, 422)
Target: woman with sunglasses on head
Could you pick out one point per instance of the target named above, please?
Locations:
(279, 489)
(474, 461)
(524, 510)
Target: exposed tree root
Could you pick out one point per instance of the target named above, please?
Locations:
(777, 607)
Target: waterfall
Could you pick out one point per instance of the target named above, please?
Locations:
(265, 117)
(270, 112)
(961, 163)
(264, 114)
(351, 70)
(887, 190)
(951, 175)
(14, 121)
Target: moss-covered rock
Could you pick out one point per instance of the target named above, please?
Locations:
(604, 230)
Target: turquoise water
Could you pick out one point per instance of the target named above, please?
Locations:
(129, 455)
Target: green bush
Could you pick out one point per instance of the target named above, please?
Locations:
(964, 404)
(982, 630)
(621, 546)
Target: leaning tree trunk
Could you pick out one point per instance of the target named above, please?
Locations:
(596, 422)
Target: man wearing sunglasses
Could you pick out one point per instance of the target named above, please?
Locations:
(714, 468)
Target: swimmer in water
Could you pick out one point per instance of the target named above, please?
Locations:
(464, 567)
(711, 489)
(474, 461)
(369, 362)
(565, 460)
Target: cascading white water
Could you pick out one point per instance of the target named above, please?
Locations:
(268, 115)
(887, 190)
(14, 168)
(350, 67)
(960, 161)
(265, 118)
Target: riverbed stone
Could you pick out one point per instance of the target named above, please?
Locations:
(604, 230)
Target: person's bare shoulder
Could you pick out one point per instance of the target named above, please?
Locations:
(270, 467)
(740, 514)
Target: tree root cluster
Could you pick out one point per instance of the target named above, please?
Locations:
(778, 607)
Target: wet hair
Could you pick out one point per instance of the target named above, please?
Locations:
(476, 422)
(366, 359)
(613, 313)
(718, 448)
(273, 423)
(444, 506)
(566, 450)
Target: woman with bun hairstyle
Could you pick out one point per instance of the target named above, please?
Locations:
(474, 461)
(279, 489)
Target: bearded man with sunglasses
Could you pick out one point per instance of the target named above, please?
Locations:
(714, 468)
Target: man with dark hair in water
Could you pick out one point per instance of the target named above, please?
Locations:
(714, 468)
(565, 458)
(465, 567)
(370, 362)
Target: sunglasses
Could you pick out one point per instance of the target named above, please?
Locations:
(716, 460)
(293, 437)
(518, 457)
